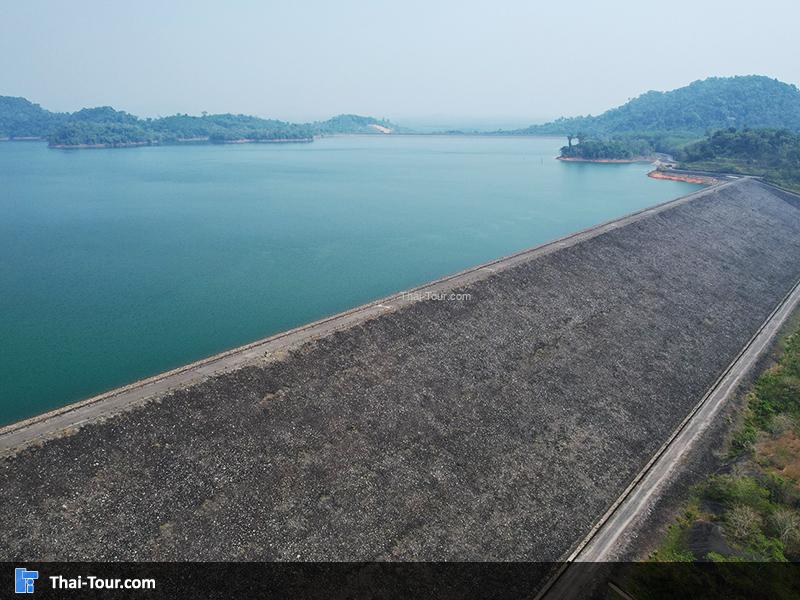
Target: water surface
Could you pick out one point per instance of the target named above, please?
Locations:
(118, 264)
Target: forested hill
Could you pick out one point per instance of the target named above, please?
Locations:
(20, 118)
(354, 124)
(769, 153)
(105, 126)
(714, 103)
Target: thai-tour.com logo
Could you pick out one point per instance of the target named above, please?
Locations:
(24, 582)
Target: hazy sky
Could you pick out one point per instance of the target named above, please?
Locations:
(508, 61)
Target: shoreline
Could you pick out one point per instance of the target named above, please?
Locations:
(659, 172)
(256, 141)
(95, 146)
(31, 138)
(684, 177)
(622, 161)
(180, 142)
(206, 141)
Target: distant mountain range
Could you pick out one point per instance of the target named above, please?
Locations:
(106, 127)
(715, 103)
(685, 113)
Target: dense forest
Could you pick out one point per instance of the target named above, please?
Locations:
(20, 118)
(770, 153)
(715, 103)
(104, 126)
(619, 148)
(754, 118)
(625, 146)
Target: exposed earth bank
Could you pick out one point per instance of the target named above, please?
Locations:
(687, 177)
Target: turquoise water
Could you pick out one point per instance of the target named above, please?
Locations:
(118, 264)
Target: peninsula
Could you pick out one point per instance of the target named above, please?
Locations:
(742, 125)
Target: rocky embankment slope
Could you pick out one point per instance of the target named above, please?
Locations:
(495, 427)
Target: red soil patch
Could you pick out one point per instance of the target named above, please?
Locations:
(783, 454)
(702, 179)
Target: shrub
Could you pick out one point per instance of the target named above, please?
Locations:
(782, 490)
(731, 491)
(784, 523)
(742, 522)
(781, 423)
(743, 440)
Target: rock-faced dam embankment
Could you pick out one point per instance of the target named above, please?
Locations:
(497, 427)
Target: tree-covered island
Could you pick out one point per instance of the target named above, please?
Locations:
(106, 127)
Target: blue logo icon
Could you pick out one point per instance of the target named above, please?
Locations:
(23, 580)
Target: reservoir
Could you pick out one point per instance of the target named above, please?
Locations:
(121, 263)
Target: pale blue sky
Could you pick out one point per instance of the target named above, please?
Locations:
(507, 62)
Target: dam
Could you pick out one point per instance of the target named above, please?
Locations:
(492, 415)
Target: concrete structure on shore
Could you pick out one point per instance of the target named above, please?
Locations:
(497, 421)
